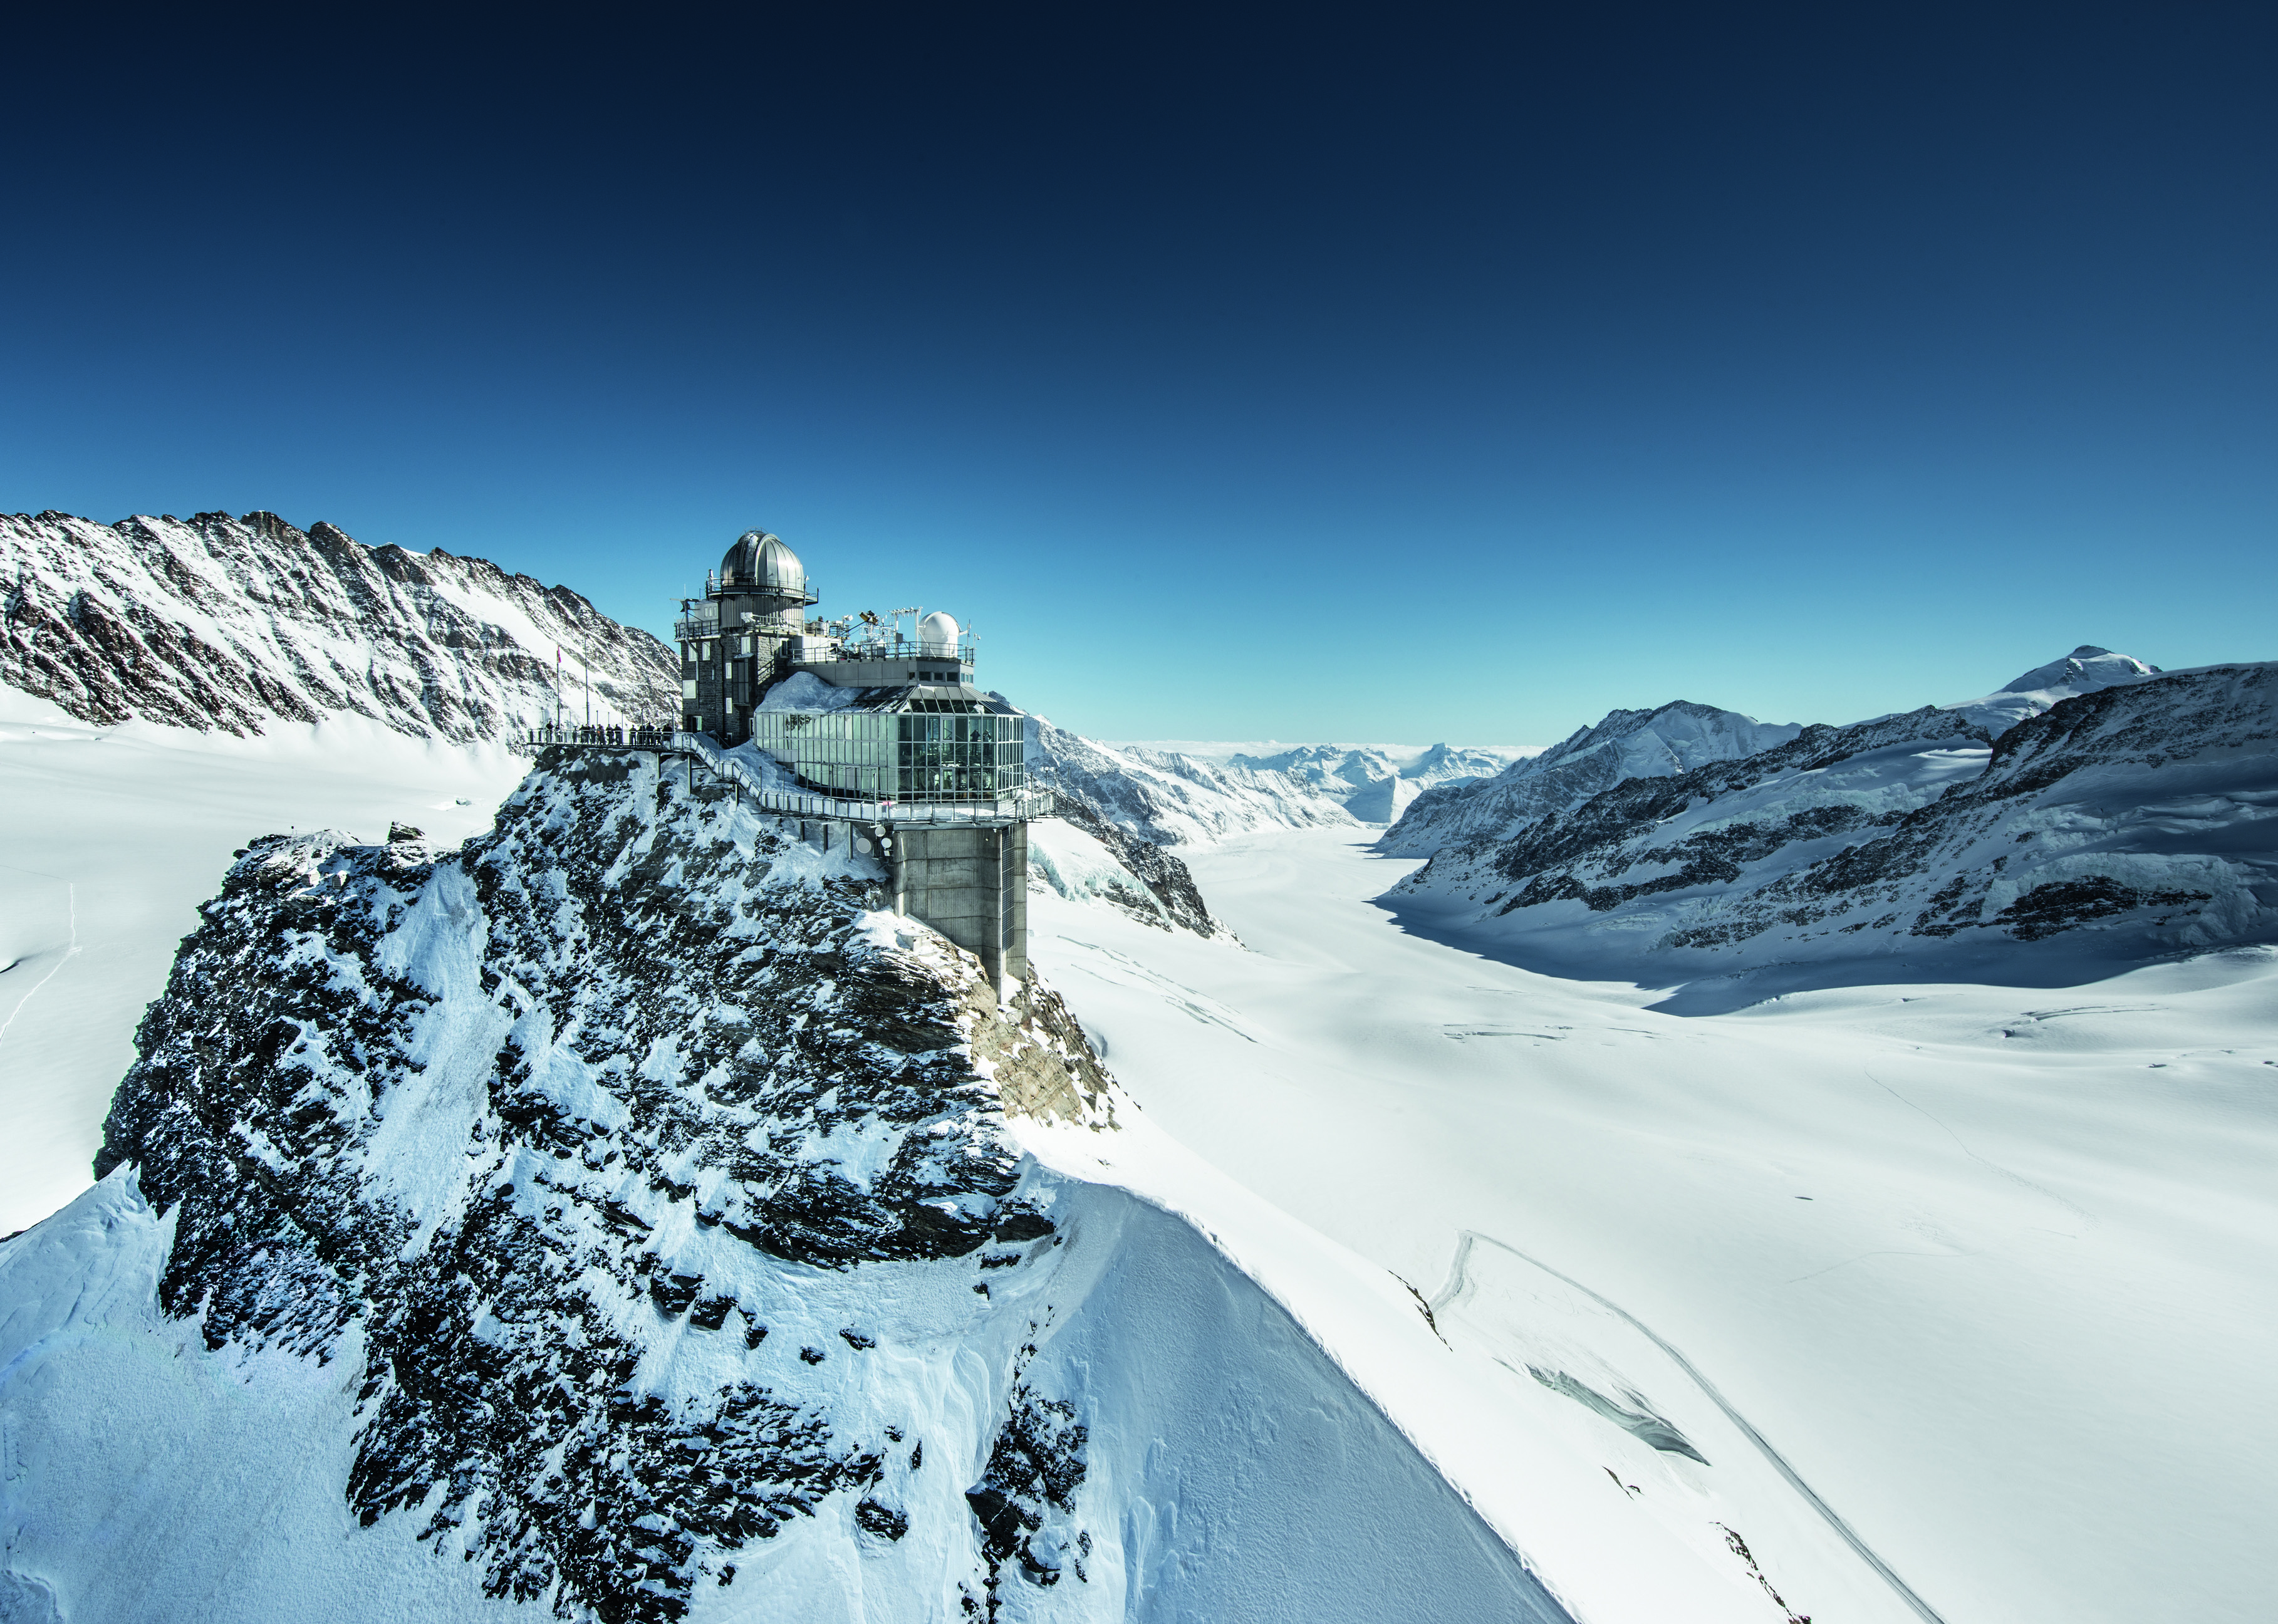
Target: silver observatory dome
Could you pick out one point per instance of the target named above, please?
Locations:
(760, 563)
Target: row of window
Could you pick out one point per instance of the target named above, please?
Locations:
(914, 757)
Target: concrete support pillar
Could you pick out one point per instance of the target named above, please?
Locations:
(971, 885)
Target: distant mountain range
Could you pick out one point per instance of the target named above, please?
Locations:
(1171, 798)
(1375, 783)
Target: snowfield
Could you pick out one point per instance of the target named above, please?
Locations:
(1963, 1293)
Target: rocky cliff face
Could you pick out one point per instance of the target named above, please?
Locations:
(1627, 744)
(216, 622)
(2131, 820)
(1086, 859)
(542, 1127)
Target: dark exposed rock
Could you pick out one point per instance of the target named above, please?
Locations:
(1166, 878)
(1628, 745)
(1035, 1469)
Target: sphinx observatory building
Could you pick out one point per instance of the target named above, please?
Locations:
(893, 749)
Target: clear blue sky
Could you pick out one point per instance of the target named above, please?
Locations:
(1242, 373)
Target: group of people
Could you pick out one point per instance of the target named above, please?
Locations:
(596, 734)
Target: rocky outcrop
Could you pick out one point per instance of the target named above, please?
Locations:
(532, 1131)
(1165, 893)
(621, 1218)
(2137, 818)
(229, 623)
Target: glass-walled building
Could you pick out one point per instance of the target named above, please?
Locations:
(911, 744)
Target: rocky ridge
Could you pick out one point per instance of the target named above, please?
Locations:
(2133, 819)
(1628, 744)
(546, 1135)
(216, 622)
(1082, 856)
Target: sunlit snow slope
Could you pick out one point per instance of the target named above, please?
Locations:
(2136, 818)
(1933, 1300)
(1171, 799)
(172, 688)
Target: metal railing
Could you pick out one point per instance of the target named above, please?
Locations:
(1029, 802)
(598, 737)
(697, 631)
(901, 648)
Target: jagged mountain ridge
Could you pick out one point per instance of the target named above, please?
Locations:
(229, 623)
(654, 1204)
(2130, 820)
(1627, 744)
(1167, 799)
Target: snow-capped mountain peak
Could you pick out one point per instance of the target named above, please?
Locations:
(1671, 738)
(2086, 670)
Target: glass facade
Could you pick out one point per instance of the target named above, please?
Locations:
(940, 750)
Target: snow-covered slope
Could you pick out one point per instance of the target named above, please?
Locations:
(1080, 857)
(1627, 744)
(2137, 819)
(1373, 782)
(619, 1219)
(216, 622)
(1977, 1277)
(1168, 799)
(111, 836)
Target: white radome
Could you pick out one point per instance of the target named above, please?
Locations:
(937, 633)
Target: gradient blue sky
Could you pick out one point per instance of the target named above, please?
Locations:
(1410, 374)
